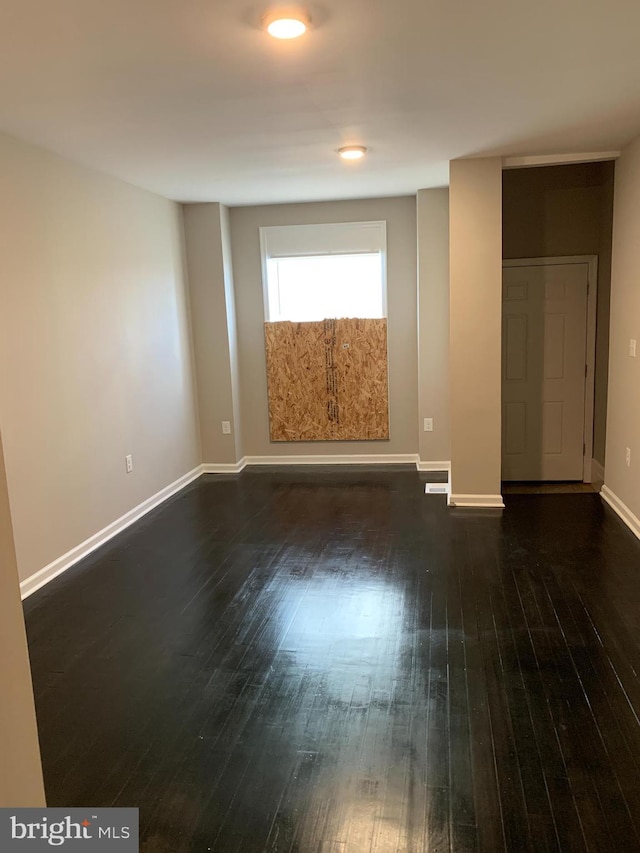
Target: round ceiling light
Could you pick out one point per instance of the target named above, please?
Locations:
(352, 152)
(286, 24)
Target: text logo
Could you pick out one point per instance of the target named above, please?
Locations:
(77, 830)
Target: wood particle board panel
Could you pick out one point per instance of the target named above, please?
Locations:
(328, 380)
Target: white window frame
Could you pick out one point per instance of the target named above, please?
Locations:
(335, 238)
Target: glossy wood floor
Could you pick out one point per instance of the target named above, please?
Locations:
(303, 661)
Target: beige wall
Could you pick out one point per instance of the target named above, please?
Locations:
(475, 222)
(400, 215)
(433, 323)
(214, 329)
(95, 359)
(567, 210)
(603, 321)
(623, 421)
(20, 770)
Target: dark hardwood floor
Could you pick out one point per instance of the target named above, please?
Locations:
(290, 660)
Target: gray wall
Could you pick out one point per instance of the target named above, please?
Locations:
(433, 324)
(214, 330)
(400, 215)
(232, 328)
(567, 210)
(95, 355)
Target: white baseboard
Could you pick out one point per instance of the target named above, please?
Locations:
(224, 467)
(343, 459)
(597, 472)
(476, 501)
(444, 465)
(632, 521)
(329, 459)
(57, 567)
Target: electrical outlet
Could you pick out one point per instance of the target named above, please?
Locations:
(226, 427)
(129, 462)
(632, 347)
(627, 456)
(428, 424)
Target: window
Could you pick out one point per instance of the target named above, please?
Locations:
(314, 272)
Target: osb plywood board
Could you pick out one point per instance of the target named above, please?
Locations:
(328, 381)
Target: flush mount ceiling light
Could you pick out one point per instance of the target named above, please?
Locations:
(352, 152)
(286, 23)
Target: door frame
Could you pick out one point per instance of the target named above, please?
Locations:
(590, 355)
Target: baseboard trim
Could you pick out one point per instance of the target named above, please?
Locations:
(443, 465)
(480, 501)
(343, 459)
(224, 467)
(621, 509)
(597, 471)
(57, 567)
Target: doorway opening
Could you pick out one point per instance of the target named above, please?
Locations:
(557, 227)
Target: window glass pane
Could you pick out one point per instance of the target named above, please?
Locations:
(315, 288)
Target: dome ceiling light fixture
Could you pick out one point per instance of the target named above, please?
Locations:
(286, 23)
(352, 152)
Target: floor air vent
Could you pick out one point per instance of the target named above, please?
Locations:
(436, 488)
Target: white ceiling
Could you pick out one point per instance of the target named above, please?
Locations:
(192, 100)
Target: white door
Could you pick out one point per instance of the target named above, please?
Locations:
(544, 332)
